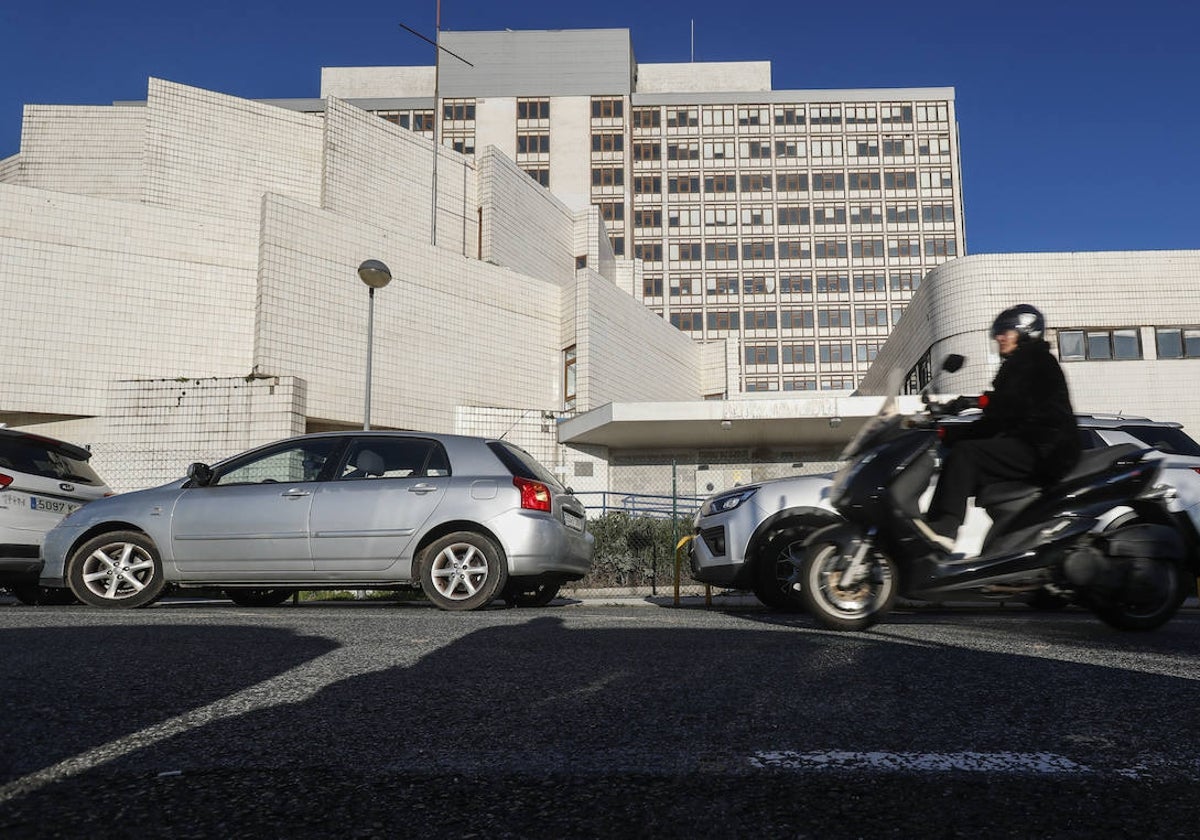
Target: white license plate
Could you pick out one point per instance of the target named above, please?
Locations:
(573, 520)
(51, 505)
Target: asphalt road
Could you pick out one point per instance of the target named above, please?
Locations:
(360, 719)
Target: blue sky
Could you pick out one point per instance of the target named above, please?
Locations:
(1079, 121)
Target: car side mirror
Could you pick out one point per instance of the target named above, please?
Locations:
(200, 475)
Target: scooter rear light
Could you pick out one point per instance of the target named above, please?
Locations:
(534, 494)
(941, 432)
(984, 399)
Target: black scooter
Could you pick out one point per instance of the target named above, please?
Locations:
(1102, 536)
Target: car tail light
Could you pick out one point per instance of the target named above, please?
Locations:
(534, 494)
(5, 480)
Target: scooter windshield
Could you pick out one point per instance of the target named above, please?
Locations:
(884, 420)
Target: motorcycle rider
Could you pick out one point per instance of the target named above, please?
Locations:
(1027, 432)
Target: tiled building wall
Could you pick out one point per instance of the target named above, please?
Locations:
(84, 150)
(153, 429)
(954, 309)
(218, 154)
(448, 330)
(97, 290)
(628, 353)
(381, 174)
(524, 226)
(10, 170)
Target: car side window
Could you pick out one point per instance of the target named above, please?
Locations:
(298, 461)
(381, 457)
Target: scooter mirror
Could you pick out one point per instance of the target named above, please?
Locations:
(953, 363)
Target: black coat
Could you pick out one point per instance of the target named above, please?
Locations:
(1029, 400)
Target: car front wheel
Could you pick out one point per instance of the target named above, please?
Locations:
(119, 570)
(463, 571)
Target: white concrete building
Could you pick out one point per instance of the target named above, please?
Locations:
(794, 223)
(1125, 325)
(179, 283)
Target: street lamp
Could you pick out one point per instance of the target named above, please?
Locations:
(376, 275)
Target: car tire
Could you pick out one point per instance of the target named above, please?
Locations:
(117, 570)
(33, 595)
(259, 597)
(773, 572)
(464, 570)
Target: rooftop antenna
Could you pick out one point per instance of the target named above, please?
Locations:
(693, 40)
(438, 49)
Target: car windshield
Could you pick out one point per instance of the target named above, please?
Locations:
(47, 461)
(1165, 439)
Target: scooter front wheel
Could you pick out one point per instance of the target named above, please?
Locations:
(837, 604)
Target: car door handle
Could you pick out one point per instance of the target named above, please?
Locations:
(295, 493)
(422, 488)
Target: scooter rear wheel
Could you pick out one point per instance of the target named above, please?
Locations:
(856, 606)
(1162, 587)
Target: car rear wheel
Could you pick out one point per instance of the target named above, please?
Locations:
(259, 597)
(119, 570)
(463, 571)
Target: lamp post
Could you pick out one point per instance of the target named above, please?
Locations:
(376, 275)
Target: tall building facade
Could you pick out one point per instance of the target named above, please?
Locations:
(794, 224)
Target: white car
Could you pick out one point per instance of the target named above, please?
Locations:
(41, 481)
(747, 537)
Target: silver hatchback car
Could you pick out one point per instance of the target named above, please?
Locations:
(466, 519)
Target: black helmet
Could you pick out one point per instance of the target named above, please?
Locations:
(1025, 319)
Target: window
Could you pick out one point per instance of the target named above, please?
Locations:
(861, 115)
(719, 150)
(686, 150)
(399, 457)
(296, 461)
(804, 384)
(718, 251)
(607, 142)
(756, 182)
(870, 283)
(607, 109)
(459, 110)
(720, 217)
(647, 184)
(723, 319)
(799, 354)
(902, 214)
(833, 318)
(682, 118)
(830, 249)
(867, 351)
(689, 184)
(652, 286)
(757, 284)
(865, 214)
(900, 180)
(533, 144)
(905, 248)
(864, 180)
(723, 285)
(934, 147)
(755, 150)
(871, 317)
(938, 213)
(718, 117)
(646, 118)
(569, 378)
(1178, 342)
(533, 109)
(684, 285)
(796, 285)
(940, 247)
(651, 218)
(1099, 344)
(895, 114)
(423, 121)
(836, 353)
(789, 116)
(905, 281)
(762, 354)
(793, 216)
(828, 182)
(787, 149)
(684, 252)
(720, 183)
(762, 385)
(897, 148)
(612, 211)
(648, 251)
(758, 250)
(608, 176)
(825, 115)
(541, 174)
(792, 182)
(867, 248)
(794, 249)
(825, 149)
(833, 283)
(754, 115)
(865, 148)
(647, 151)
(757, 215)
(829, 215)
(760, 319)
(796, 319)
(687, 321)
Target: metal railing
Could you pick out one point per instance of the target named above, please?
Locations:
(600, 502)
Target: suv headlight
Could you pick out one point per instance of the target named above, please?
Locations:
(726, 502)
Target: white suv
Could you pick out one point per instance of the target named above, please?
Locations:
(745, 537)
(41, 481)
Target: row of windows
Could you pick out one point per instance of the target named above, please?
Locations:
(808, 353)
(792, 115)
(789, 149)
(866, 283)
(1126, 343)
(797, 215)
(788, 182)
(796, 249)
(804, 383)
(771, 319)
